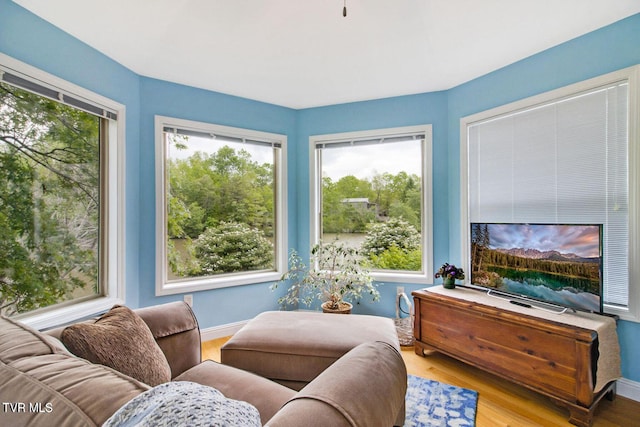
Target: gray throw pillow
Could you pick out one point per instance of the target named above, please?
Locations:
(121, 340)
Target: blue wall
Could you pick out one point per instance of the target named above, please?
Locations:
(158, 97)
(36, 42)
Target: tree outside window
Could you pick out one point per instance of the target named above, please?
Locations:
(50, 202)
(372, 196)
(221, 205)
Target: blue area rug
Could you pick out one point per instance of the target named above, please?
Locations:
(432, 403)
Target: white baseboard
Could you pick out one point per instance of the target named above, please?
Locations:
(629, 389)
(221, 331)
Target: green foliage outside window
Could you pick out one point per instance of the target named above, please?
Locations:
(385, 209)
(395, 258)
(220, 210)
(395, 232)
(388, 196)
(232, 247)
(49, 201)
(393, 245)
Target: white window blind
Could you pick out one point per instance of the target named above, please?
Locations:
(49, 91)
(564, 161)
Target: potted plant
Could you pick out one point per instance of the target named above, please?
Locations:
(334, 276)
(449, 274)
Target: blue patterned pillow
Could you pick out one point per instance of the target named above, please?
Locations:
(183, 403)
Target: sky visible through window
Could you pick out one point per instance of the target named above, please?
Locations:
(259, 153)
(364, 162)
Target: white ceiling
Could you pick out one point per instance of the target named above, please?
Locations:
(303, 53)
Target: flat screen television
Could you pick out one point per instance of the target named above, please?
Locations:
(556, 264)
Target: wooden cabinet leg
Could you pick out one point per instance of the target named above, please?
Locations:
(580, 416)
(422, 349)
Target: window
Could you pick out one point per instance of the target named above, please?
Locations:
(568, 156)
(58, 214)
(221, 206)
(372, 190)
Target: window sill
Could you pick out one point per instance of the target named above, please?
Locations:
(622, 313)
(226, 281)
(68, 314)
(401, 277)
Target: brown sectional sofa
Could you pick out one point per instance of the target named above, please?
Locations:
(42, 384)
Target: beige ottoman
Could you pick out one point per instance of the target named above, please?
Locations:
(294, 347)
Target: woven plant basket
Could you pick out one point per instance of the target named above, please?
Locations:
(404, 325)
(344, 308)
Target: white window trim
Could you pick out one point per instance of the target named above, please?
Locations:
(73, 311)
(163, 286)
(632, 74)
(315, 207)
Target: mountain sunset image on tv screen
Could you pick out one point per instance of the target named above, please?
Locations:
(559, 264)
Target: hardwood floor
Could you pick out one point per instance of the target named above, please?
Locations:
(500, 402)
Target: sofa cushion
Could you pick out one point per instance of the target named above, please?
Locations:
(44, 385)
(267, 396)
(121, 340)
(175, 328)
(184, 403)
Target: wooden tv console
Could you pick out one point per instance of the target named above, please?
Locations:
(552, 358)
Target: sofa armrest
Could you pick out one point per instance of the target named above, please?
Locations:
(176, 330)
(365, 387)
